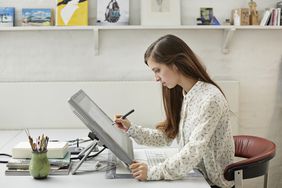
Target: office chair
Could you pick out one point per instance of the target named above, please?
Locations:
(257, 153)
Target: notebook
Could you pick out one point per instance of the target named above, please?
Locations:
(151, 156)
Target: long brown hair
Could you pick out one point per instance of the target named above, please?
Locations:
(171, 50)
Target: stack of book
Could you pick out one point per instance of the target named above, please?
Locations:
(272, 17)
(58, 155)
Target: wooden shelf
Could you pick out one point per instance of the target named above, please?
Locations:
(135, 27)
(45, 28)
(228, 31)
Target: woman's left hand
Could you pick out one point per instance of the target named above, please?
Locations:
(139, 170)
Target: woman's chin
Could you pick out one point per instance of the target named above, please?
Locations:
(169, 86)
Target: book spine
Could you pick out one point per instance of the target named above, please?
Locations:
(271, 22)
(265, 18)
(278, 16)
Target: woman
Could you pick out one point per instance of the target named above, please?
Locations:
(197, 115)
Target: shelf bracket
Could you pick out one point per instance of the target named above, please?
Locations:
(227, 38)
(96, 41)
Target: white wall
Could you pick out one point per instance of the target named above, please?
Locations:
(255, 61)
(189, 8)
(44, 104)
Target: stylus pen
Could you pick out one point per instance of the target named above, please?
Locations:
(125, 115)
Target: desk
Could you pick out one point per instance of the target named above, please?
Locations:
(7, 136)
(93, 179)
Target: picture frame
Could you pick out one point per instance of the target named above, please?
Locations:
(206, 15)
(72, 13)
(7, 16)
(160, 12)
(112, 12)
(37, 17)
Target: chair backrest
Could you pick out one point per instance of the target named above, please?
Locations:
(257, 151)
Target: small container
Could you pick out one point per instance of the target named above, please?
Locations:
(39, 165)
(236, 18)
(227, 22)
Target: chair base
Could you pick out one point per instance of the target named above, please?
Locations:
(238, 179)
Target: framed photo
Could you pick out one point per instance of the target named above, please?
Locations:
(7, 16)
(37, 17)
(206, 15)
(112, 12)
(72, 12)
(160, 12)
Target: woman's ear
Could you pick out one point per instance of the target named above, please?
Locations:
(174, 67)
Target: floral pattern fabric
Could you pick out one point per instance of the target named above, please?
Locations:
(204, 138)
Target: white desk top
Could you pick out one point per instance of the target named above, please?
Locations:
(91, 179)
(7, 136)
(95, 180)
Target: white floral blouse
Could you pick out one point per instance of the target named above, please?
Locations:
(204, 138)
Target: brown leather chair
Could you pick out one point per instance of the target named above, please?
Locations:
(257, 153)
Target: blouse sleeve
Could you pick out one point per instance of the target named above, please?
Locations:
(191, 154)
(148, 136)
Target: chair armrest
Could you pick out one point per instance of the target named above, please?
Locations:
(252, 167)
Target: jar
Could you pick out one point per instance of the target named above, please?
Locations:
(227, 22)
(39, 165)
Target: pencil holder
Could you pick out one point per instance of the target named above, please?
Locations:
(39, 165)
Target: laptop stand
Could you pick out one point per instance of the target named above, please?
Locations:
(91, 147)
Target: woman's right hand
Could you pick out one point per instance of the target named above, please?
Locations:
(122, 124)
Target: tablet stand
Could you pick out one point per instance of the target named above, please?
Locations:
(91, 147)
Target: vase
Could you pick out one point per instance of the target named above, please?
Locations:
(39, 165)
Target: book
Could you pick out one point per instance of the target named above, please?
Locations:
(72, 13)
(24, 163)
(265, 18)
(278, 22)
(112, 12)
(7, 16)
(273, 17)
(279, 5)
(54, 170)
(37, 17)
(55, 150)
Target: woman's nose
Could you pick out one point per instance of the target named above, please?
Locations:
(157, 78)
